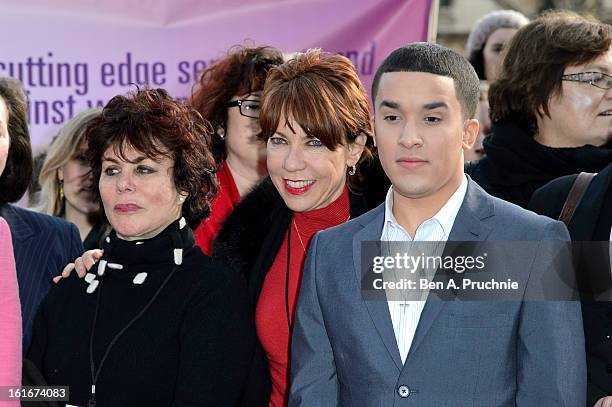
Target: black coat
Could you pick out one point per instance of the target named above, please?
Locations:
(249, 242)
(516, 165)
(183, 337)
(591, 222)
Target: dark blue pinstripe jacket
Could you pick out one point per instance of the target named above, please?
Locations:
(43, 245)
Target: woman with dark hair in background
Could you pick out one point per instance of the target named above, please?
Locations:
(488, 39)
(315, 119)
(228, 96)
(551, 107)
(42, 244)
(10, 310)
(66, 182)
(156, 322)
(484, 48)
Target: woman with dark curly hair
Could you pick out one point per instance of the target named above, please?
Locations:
(228, 95)
(155, 322)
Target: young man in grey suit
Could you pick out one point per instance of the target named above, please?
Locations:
(348, 350)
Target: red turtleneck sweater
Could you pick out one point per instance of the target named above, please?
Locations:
(222, 205)
(271, 315)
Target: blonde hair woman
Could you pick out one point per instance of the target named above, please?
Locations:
(65, 180)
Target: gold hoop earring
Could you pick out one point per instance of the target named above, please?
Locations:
(352, 170)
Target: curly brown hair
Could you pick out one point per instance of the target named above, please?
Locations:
(153, 123)
(242, 71)
(323, 94)
(536, 59)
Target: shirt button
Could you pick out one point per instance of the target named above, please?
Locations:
(403, 391)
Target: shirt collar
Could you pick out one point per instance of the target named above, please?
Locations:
(445, 216)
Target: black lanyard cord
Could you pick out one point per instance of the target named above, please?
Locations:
(95, 373)
(287, 281)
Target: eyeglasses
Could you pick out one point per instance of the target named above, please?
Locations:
(597, 79)
(248, 108)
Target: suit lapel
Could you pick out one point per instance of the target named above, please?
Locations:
(378, 309)
(473, 223)
(20, 228)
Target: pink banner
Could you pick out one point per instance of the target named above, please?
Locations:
(74, 54)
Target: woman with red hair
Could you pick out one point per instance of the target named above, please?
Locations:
(316, 125)
(228, 96)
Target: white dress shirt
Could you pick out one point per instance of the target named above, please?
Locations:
(405, 315)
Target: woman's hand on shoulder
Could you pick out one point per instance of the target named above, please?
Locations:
(604, 402)
(81, 265)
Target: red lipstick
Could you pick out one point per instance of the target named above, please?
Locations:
(298, 187)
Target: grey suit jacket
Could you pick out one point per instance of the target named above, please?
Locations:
(475, 353)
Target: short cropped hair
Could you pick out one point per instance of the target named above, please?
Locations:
(15, 178)
(242, 71)
(438, 60)
(151, 122)
(323, 94)
(536, 59)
